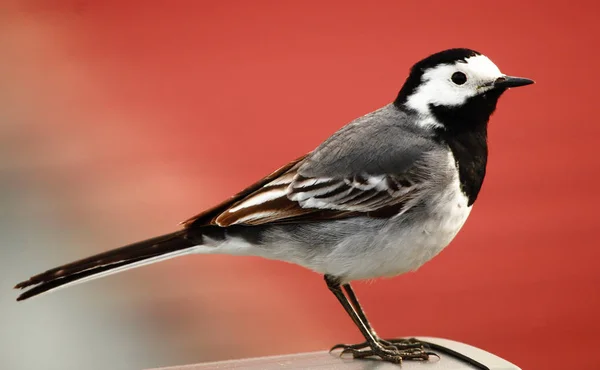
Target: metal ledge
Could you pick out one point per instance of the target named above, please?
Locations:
(326, 360)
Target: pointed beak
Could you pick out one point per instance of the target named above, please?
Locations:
(506, 82)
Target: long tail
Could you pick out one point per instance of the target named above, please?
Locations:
(107, 263)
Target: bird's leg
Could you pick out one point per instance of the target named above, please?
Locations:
(372, 347)
(358, 308)
(398, 343)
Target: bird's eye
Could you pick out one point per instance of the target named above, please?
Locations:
(459, 78)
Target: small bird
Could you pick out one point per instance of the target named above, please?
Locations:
(379, 198)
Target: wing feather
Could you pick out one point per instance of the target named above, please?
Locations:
(290, 197)
(344, 177)
(314, 199)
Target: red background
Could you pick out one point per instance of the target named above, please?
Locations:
(129, 116)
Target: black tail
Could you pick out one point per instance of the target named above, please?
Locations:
(113, 261)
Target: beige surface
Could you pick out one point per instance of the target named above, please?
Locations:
(326, 360)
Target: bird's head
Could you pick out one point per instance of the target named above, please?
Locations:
(455, 88)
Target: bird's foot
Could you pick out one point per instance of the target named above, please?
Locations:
(398, 343)
(392, 350)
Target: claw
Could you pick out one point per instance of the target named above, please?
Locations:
(388, 351)
(356, 353)
(337, 346)
(433, 354)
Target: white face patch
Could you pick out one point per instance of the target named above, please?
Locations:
(438, 88)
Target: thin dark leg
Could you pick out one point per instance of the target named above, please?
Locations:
(335, 287)
(392, 343)
(375, 348)
(357, 307)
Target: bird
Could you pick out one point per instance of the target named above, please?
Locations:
(379, 198)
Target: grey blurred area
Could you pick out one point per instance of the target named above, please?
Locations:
(76, 329)
(43, 223)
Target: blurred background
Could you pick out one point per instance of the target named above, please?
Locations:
(118, 119)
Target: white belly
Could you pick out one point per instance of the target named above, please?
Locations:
(404, 246)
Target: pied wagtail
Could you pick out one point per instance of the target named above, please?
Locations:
(380, 197)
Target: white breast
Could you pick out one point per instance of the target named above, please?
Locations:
(410, 240)
(425, 239)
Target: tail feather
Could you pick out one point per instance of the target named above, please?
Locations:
(110, 262)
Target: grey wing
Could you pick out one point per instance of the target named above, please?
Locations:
(381, 142)
(378, 161)
(376, 166)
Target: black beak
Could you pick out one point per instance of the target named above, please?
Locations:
(506, 82)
